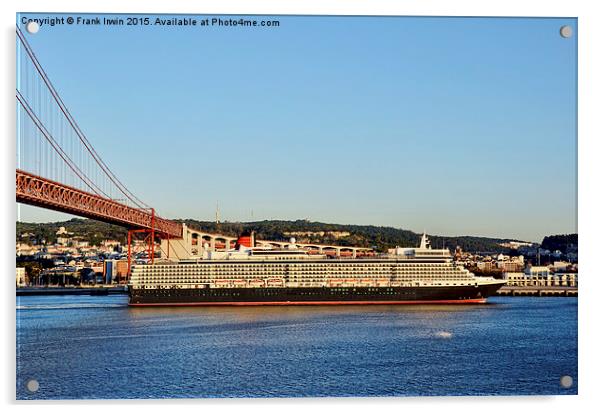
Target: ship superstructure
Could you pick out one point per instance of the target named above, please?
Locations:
(249, 275)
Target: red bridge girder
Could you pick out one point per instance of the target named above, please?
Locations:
(37, 191)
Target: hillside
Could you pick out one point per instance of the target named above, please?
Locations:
(304, 231)
(564, 243)
(86, 229)
(359, 235)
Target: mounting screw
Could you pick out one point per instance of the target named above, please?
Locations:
(566, 31)
(566, 381)
(32, 385)
(32, 27)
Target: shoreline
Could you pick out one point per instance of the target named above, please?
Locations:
(100, 291)
(533, 291)
(537, 291)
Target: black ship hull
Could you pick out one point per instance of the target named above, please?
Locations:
(312, 296)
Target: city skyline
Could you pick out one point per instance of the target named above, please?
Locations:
(402, 126)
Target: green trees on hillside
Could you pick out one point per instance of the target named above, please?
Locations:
(85, 229)
(563, 243)
(360, 235)
(380, 238)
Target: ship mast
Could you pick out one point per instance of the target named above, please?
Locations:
(424, 242)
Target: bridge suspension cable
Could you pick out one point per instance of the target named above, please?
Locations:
(57, 147)
(49, 128)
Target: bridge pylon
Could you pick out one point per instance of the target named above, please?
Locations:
(149, 241)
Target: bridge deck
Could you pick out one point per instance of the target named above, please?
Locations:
(37, 191)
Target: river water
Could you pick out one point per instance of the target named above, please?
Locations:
(80, 347)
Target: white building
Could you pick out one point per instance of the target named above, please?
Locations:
(518, 279)
(63, 236)
(560, 266)
(515, 278)
(21, 277)
(535, 271)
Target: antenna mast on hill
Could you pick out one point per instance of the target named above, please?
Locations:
(217, 213)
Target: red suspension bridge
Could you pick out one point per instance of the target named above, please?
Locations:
(59, 169)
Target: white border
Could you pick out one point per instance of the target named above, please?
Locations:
(590, 71)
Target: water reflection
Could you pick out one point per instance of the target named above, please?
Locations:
(293, 351)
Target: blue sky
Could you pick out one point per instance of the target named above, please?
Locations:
(459, 126)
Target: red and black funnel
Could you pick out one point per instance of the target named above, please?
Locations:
(246, 239)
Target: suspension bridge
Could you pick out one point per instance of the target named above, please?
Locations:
(59, 169)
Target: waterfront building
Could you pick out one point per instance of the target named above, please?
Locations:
(108, 267)
(510, 266)
(519, 279)
(115, 271)
(560, 266)
(21, 277)
(537, 271)
(486, 266)
(515, 278)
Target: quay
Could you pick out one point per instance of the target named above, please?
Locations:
(538, 291)
(121, 289)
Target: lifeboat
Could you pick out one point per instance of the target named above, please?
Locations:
(257, 282)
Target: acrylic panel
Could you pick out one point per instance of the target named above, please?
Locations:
(295, 206)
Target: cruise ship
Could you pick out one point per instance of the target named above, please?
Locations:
(250, 275)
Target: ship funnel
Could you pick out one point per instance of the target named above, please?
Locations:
(246, 239)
